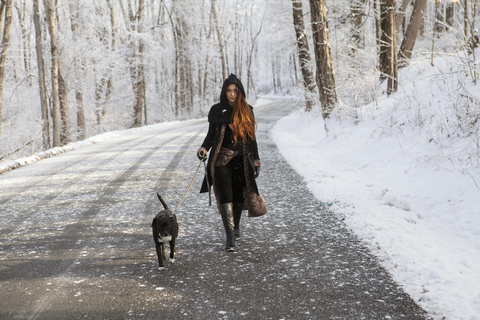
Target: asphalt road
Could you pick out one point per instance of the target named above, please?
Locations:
(76, 243)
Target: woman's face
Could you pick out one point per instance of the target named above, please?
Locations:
(231, 93)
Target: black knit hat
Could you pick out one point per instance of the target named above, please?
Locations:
(231, 79)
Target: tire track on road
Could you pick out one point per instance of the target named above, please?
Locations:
(75, 180)
(113, 186)
(46, 176)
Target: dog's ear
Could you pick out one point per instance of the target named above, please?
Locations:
(162, 201)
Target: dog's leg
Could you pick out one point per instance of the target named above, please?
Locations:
(172, 251)
(163, 250)
(159, 247)
(160, 253)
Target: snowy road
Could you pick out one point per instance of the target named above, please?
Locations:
(76, 243)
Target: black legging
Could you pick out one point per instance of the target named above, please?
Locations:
(230, 181)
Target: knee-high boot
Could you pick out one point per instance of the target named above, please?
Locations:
(226, 211)
(237, 214)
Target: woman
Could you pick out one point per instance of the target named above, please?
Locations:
(233, 163)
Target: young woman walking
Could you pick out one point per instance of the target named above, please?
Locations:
(233, 163)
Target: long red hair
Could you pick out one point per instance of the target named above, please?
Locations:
(242, 120)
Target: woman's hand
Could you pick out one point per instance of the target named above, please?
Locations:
(202, 154)
(257, 167)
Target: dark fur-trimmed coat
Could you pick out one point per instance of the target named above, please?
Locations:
(218, 117)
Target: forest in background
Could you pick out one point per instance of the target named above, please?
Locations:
(116, 64)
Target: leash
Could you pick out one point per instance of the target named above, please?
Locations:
(184, 196)
(208, 185)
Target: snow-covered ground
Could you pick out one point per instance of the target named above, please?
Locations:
(410, 193)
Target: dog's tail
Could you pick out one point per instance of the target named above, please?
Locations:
(162, 201)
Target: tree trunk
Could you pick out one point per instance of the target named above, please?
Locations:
(104, 85)
(273, 76)
(388, 51)
(323, 56)
(109, 92)
(182, 87)
(207, 58)
(63, 99)
(26, 52)
(2, 11)
(41, 76)
(99, 86)
(433, 36)
(401, 14)
(303, 54)
(49, 6)
(220, 41)
(78, 69)
(3, 52)
(253, 42)
(411, 34)
(439, 18)
(378, 26)
(62, 95)
(466, 19)
(237, 46)
(449, 13)
(176, 92)
(139, 84)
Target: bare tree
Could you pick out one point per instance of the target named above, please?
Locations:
(4, 50)
(180, 35)
(62, 93)
(79, 71)
(439, 17)
(181, 38)
(104, 85)
(63, 99)
(139, 73)
(49, 6)
(411, 34)
(41, 75)
(77, 65)
(178, 51)
(253, 43)
(401, 13)
(323, 56)
(220, 41)
(357, 10)
(109, 91)
(378, 26)
(303, 53)
(207, 58)
(21, 9)
(465, 18)
(388, 49)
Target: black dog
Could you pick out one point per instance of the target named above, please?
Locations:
(165, 229)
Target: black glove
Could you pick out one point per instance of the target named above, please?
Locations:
(257, 171)
(202, 154)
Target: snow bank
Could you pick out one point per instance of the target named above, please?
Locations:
(414, 203)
